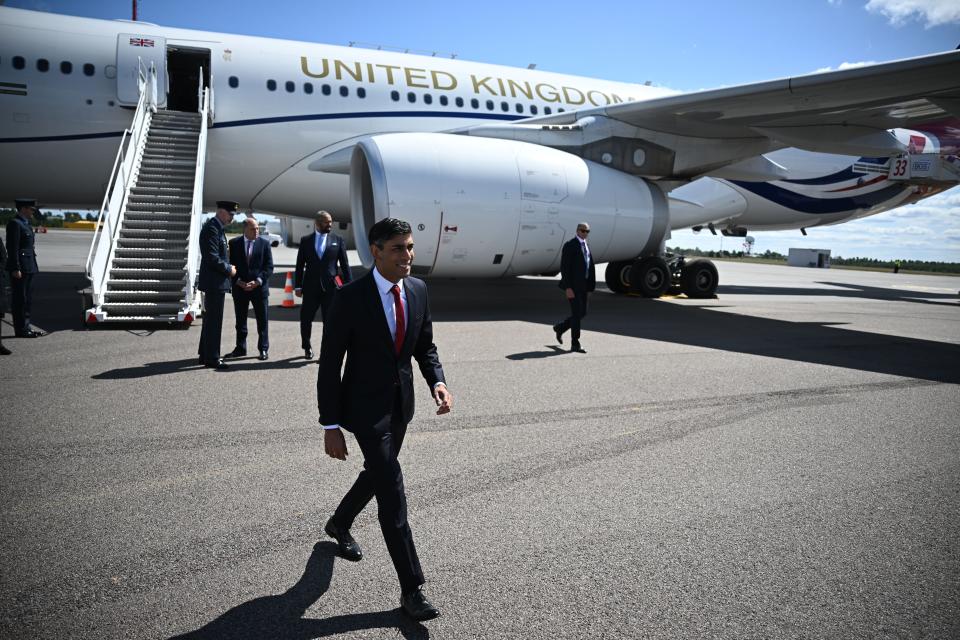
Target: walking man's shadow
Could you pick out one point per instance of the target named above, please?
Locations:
(281, 616)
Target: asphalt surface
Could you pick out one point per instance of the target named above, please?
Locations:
(780, 462)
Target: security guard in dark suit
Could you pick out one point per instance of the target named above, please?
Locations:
(22, 264)
(577, 279)
(252, 257)
(320, 256)
(214, 281)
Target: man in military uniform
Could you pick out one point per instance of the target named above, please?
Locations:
(214, 281)
(22, 265)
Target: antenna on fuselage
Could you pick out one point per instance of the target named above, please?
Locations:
(134, 10)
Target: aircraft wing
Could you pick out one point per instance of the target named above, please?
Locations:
(723, 132)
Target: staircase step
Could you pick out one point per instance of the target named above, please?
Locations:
(123, 273)
(152, 226)
(152, 162)
(144, 296)
(151, 253)
(141, 308)
(160, 217)
(145, 285)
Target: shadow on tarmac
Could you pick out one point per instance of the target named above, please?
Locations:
(281, 616)
(708, 325)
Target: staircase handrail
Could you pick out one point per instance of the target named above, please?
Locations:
(118, 187)
(196, 209)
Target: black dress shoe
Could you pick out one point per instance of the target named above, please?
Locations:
(308, 353)
(263, 355)
(236, 353)
(219, 365)
(28, 334)
(4, 351)
(349, 548)
(556, 330)
(416, 605)
(576, 348)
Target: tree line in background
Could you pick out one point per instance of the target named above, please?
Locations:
(928, 266)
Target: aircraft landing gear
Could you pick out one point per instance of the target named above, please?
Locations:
(652, 276)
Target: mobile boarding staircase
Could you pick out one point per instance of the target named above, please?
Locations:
(144, 256)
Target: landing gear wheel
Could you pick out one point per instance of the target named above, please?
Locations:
(650, 277)
(617, 276)
(699, 279)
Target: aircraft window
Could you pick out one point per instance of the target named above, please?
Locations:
(475, 103)
(234, 82)
(19, 62)
(489, 105)
(443, 100)
(89, 101)
(290, 86)
(308, 87)
(411, 97)
(344, 91)
(395, 96)
(560, 110)
(88, 69)
(361, 92)
(271, 85)
(325, 89)
(66, 68)
(459, 102)
(43, 65)
(533, 109)
(504, 106)
(547, 110)
(428, 98)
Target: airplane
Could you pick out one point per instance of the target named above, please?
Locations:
(493, 166)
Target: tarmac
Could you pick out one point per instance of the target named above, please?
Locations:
(782, 461)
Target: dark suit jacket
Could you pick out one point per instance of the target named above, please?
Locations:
(314, 274)
(21, 255)
(573, 272)
(357, 328)
(261, 264)
(214, 266)
(3, 280)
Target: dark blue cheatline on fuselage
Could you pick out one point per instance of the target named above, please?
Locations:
(810, 204)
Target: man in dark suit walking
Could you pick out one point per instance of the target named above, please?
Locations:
(379, 322)
(3, 296)
(319, 257)
(22, 264)
(577, 279)
(253, 259)
(214, 281)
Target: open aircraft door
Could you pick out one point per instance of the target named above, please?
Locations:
(136, 52)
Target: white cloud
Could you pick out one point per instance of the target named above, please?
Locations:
(845, 65)
(932, 12)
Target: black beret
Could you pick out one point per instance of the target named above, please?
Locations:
(229, 205)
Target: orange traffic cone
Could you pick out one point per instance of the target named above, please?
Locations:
(288, 292)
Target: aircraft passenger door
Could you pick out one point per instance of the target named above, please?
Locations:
(133, 51)
(185, 64)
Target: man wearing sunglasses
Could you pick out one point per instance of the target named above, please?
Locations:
(577, 278)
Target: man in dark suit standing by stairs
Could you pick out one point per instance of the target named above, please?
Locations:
(214, 281)
(22, 265)
(253, 259)
(319, 258)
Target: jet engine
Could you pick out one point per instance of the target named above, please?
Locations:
(488, 207)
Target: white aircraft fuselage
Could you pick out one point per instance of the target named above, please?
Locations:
(68, 86)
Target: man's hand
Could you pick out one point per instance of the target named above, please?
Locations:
(233, 271)
(443, 398)
(298, 292)
(570, 295)
(334, 444)
(17, 275)
(250, 286)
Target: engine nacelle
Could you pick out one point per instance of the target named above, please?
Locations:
(483, 207)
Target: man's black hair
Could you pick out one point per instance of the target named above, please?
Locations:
(386, 229)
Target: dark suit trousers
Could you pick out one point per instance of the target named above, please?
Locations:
(209, 349)
(308, 312)
(21, 301)
(382, 478)
(578, 309)
(241, 302)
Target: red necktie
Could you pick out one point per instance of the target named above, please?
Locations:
(401, 324)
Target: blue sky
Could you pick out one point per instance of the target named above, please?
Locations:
(689, 45)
